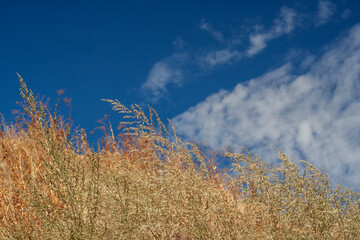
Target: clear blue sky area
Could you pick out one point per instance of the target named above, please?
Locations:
(260, 74)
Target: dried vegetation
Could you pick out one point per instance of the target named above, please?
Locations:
(148, 184)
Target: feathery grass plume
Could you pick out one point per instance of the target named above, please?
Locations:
(292, 204)
(146, 183)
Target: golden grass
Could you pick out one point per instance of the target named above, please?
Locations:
(148, 184)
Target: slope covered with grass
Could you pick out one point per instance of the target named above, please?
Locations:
(148, 184)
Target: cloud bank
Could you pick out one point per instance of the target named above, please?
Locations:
(312, 116)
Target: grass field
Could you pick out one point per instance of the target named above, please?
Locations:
(148, 184)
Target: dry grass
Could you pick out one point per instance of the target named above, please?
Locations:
(148, 184)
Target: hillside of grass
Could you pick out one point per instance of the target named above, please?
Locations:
(146, 183)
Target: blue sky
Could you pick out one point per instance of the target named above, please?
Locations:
(258, 74)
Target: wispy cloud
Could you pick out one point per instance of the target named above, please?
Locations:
(223, 56)
(284, 24)
(216, 34)
(162, 74)
(171, 69)
(326, 10)
(312, 116)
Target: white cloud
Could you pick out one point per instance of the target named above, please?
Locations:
(162, 74)
(258, 43)
(312, 116)
(223, 56)
(326, 10)
(285, 24)
(216, 34)
(170, 70)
